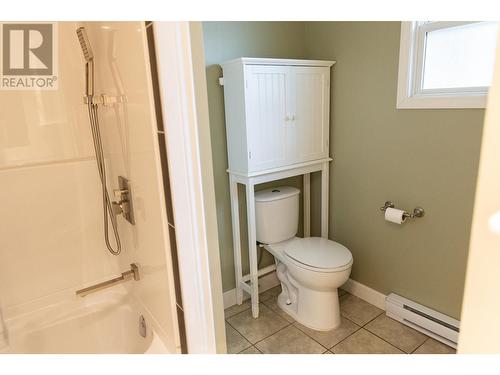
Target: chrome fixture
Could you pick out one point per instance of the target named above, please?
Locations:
(133, 274)
(124, 204)
(417, 211)
(92, 105)
(142, 326)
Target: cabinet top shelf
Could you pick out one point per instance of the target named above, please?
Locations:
(270, 61)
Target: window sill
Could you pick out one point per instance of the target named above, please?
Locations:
(441, 102)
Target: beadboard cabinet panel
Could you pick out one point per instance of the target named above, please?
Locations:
(277, 112)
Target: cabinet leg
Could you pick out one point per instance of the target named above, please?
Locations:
(307, 204)
(235, 215)
(252, 249)
(324, 200)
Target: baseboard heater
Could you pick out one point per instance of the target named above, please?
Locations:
(432, 323)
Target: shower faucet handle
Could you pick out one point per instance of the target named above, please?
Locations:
(124, 205)
(119, 193)
(121, 207)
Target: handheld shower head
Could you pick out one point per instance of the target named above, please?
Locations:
(89, 58)
(85, 44)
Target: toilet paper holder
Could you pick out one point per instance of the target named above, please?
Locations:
(417, 211)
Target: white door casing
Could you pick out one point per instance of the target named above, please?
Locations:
(480, 320)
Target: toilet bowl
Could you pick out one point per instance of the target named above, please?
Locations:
(310, 269)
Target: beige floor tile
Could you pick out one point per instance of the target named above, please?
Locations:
(270, 293)
(432, 346)
(333, 337)
(357, 310)
(250, 350)
(236, 309)
(364, 342)
(272, 303)
(403, 337)
(289, 341)
(328, 352)
(341, 292)
(235, 342)
(255, 330)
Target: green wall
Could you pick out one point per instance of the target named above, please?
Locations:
(418, 157)
(412, 157)
(225, 41)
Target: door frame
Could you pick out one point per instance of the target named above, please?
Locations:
(183, 91)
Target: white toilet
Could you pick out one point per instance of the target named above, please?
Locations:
(310, 269)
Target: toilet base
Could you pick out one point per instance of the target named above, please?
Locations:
(316, 310)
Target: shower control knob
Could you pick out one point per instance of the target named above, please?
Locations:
(119, 193)
(121, 207)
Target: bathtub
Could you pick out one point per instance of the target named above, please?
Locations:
(107, 323)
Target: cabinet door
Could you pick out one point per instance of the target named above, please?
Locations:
(310, 115)
(267, 89)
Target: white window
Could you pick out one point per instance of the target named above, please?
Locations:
(446, 64)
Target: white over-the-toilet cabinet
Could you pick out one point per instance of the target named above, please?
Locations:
(277, 126)
(277, 112)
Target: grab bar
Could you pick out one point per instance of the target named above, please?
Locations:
(126, 276)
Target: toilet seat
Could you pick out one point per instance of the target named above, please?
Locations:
(314, 253)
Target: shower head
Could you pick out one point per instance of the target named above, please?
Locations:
(89, 58)
(85, 44)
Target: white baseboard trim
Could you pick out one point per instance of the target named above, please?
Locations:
(355, 288)
(265, 282)
(365, 293)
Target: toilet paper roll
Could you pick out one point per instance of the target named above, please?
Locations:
(394, 215)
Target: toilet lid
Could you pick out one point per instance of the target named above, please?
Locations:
(319, 253)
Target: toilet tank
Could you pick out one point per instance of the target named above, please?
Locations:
(277, 214)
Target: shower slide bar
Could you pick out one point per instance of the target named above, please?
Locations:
(126, 276)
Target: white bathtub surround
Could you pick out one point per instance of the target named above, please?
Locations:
(105, 322)
(51, 235)
(3, 333)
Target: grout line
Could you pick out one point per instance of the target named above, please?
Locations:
(312, 338)
(245, 300)
(241, 334)
(368, 330)
(279, 330)
(238, 313)
(251, 345)
(359, 327)
(381, 338)
(427, 339)
(288, 324)
(345, 338)
(404, 351)
(387, 342)
(371, 320)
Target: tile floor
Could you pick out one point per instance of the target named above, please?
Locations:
(364, 329)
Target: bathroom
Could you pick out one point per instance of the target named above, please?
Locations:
(136, 220)
(415, 157)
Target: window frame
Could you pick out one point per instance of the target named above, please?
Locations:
(410, 93)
